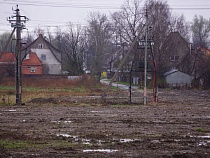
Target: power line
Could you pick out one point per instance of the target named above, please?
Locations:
(66, 5)
(99, 6)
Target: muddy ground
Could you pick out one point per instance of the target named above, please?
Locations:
(178, 126)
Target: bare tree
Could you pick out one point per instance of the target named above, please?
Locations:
(179, 24)
(73, 47)
(159, 19)
(128, 21)
(201, 39)
(163, 23)
(3, 40)
(99, 38)
(201, 31)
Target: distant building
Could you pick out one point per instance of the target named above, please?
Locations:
(175, 78)
(32, 65)
(49, 56)
(175, 54)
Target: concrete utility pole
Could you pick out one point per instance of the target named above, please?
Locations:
(17, 23)
(145, 59)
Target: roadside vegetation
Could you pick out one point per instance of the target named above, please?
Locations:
(48, 87)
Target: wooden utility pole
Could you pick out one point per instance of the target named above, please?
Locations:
(17, 23)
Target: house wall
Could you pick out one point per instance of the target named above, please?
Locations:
(27, 70)
(51, 65)
(179, 79)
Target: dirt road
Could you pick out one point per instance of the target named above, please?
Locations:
(178, 126)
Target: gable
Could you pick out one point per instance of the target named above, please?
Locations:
(33, 60)
(42, 43)
(175, 44)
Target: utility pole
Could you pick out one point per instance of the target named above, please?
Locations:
(145, 59)
(17, 23)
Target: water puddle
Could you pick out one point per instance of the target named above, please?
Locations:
(12, 110)
(67, 135)
(33, 154)
(61, 121)
(128, 140)
(100, 150)
(97, 111)
(86, 141)
(204, 137)
(204, 143)
(76, 138)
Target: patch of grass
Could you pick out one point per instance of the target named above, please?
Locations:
(18, 144)
(4, 88)
(21, 144)
(199, 129)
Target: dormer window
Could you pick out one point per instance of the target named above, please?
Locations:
(27, 56)
(40, 46)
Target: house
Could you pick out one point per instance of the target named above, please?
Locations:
(175, 78)
(49, 56)
(174, 53)
(31, 65)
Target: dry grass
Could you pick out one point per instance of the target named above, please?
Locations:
(48, 87)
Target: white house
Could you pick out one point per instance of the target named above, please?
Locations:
(48, 55)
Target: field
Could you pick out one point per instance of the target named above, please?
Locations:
(73, 123)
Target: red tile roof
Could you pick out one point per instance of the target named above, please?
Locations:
(7, 57)
(33, 60)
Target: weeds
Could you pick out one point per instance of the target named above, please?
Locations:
(202, 130)
(48, 87)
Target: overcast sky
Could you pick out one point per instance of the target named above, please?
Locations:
(52, 13)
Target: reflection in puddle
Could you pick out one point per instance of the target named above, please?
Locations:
(100, 150)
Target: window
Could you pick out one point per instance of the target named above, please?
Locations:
(27, 56)
(40, 46)
(33, 69)
(174, 58)
(43, 57)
